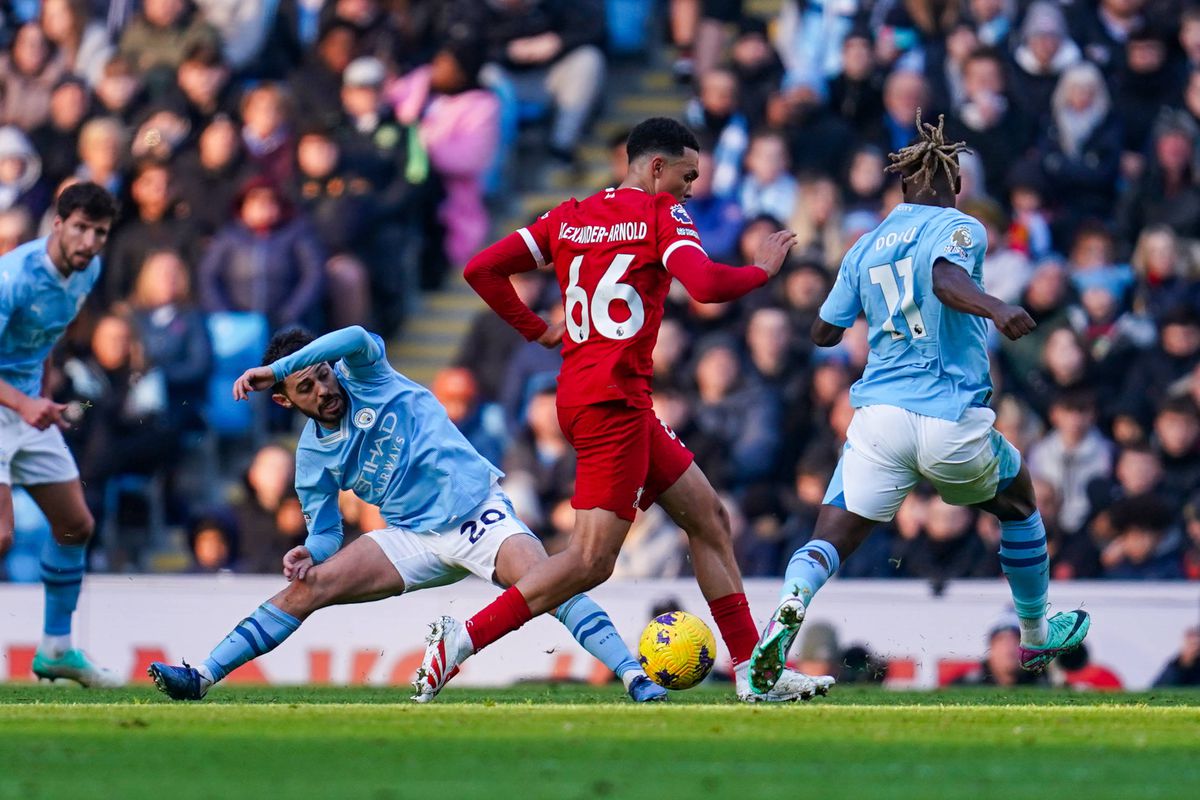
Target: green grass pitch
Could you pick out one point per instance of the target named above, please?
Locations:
(564, 742)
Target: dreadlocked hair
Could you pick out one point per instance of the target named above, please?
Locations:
(920, 161)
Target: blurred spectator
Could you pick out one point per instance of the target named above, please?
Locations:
(213, 544)
(819, 653)
(745, 418)
(817, 220)
(1081, 149)
(1165, 271)
(904, 91)
(1146, 546)
(267, 517)
(714, 114)
(757, 67)
(153, 225)
(1002, 665)
(1102, 30)
(1030, 229)
(266, 132)
(81, 41)
(655, 547)
(257, 35)
(121, 92)
(28, 74)
(856, 94)
(1176, 354)
(208, 178)
(718, 219)
(159, 37)
(267, 260)
(1044, 51)
(549, 51)
(1093, 262)
(174, 335)
(540, 465)
(767, 187)
(1079, 672)
(101, 153)
(202, 87)
(20, 174)
(1006, 271)
(459, 125)
(865, 179)
(1144, 81)
(1166, 192)
(1177, 437)
(491, 342)
(481, 423)
(947, 547)
(1184, 668)
(1072, 455)
(57, 139)
(16, 228)
(316, 84)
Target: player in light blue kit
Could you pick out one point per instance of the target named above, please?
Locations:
(42, 285)
(921, 406)
(376, 433)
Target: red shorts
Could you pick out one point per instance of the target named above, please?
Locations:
(625, 457)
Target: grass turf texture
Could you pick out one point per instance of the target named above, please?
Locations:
(582, 742)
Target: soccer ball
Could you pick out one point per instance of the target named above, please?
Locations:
(677, 650)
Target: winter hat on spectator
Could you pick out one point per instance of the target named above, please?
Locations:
(1044, 18)
(366, 71)
(14, 144)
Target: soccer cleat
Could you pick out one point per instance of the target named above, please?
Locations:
(449, 645)
(1067, 631)
(789, 687)
(178, 683)
(644, 690)
(74, 665)
(770, 654)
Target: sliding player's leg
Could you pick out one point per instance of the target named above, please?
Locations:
(612, 449)
(588, 623)
(677, 484)
(360, 573)
(64, 561)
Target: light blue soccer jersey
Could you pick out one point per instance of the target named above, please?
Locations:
(395, 447)
(36, 305)
(925, 357)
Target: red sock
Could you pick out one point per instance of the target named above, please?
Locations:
(504, 615)
(732, 615)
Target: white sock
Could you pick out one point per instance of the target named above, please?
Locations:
(205, 676)
(630, 675)
(1033, 630)
(55, 646)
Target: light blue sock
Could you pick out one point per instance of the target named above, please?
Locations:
(257, 634)
(591, 627)
(1026, 565)
(62, 575)
(805, 574)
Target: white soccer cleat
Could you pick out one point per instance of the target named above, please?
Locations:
(449, 645)
(790, 687)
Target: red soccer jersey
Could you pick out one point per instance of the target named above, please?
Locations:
(608, 251)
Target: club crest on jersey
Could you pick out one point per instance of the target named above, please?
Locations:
(680, 215)
(365, 418)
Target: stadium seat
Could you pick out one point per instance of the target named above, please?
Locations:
(238, 340)
(124, 546)
(628, 26)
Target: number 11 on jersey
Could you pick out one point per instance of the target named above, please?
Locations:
(884, 277)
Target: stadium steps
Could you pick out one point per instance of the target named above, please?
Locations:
(433, 333)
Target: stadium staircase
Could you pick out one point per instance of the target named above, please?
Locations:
(637, 87)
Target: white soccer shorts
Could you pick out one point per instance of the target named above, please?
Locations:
(29, 457)
(889, 449)
(467, 547)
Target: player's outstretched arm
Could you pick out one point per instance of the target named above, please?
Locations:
(488, 274)
(709, 282)
(354, 345)
(955, 288)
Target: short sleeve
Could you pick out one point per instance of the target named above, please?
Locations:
(673, 227)
(537, 238)
(962, 241)
(843, 305)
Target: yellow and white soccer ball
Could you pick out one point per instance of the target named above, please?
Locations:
(677, 650)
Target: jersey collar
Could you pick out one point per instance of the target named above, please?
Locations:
(53, 270)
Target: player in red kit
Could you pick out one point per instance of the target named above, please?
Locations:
(615, 254)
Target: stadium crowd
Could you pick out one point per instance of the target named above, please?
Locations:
(322, 161)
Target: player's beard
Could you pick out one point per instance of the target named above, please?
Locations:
(333, 408)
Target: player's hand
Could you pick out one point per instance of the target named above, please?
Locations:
(42, 412)
(258, 379)
(296, 563)
(552, 337)
(773, 251)
(1013, 321)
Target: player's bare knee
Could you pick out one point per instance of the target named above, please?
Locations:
(713, 526)
(74, 532)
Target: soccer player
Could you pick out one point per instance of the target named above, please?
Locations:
(921, 405)
(615, 254)
(374, 432)
(42, 285)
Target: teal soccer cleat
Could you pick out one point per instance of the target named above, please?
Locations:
(770, 654)
(1067, 631)
(74, 665)
(178, 683)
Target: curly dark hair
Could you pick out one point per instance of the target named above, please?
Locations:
(92, 199)
(921, 161)
(660, 135)
(283, 344)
